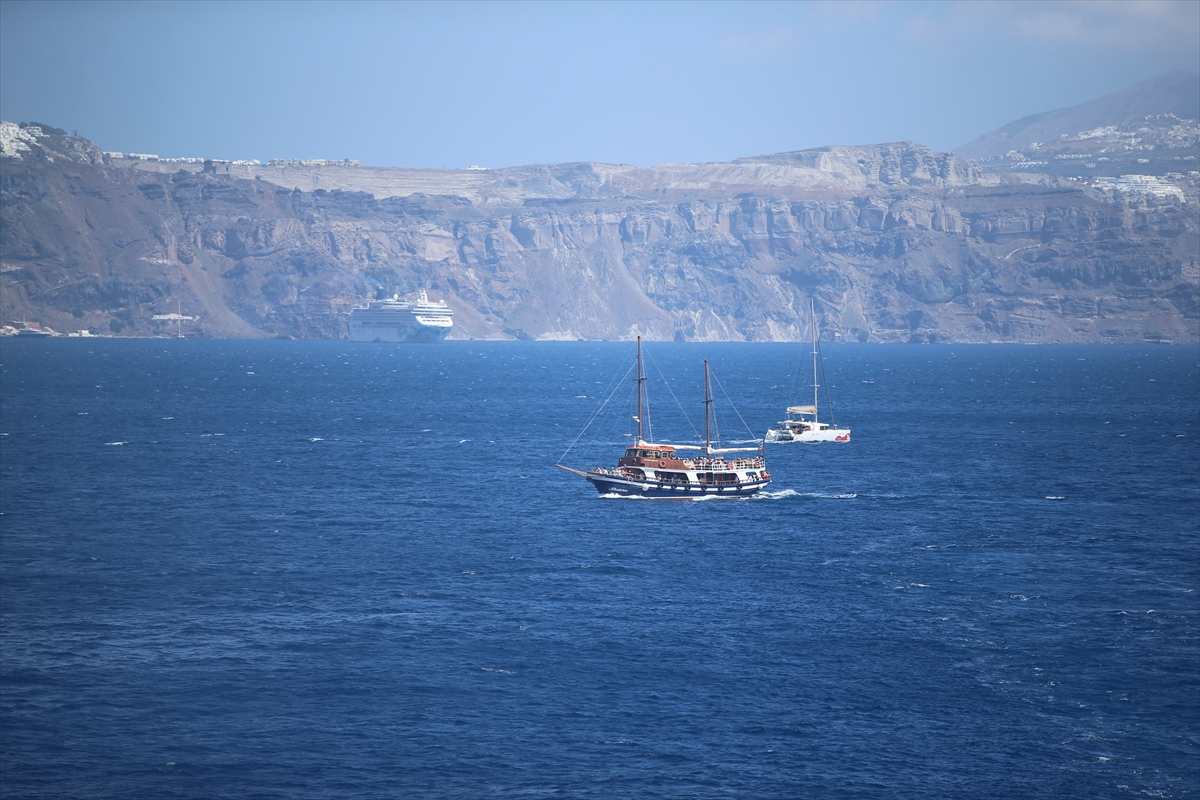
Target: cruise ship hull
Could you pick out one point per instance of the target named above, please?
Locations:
(407, 334)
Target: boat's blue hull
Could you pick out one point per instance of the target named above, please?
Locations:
(607, 484)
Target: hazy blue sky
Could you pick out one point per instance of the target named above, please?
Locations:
(496, 84)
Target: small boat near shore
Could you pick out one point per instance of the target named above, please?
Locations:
(678, 471)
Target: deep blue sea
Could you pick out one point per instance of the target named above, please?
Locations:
(329, 570)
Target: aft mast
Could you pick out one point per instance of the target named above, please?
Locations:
(707, 413)
(641, 378)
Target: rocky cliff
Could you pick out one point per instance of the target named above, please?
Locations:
(897, 243)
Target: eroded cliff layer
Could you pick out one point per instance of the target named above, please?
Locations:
(897, 243)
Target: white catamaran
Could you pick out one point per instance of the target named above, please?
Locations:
(802, 423)
(658, 470)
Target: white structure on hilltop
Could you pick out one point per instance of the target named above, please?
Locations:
(313, 162)
(1144, 184)
(181, 160)
(15, 140)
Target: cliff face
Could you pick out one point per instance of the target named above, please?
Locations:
(897, 243)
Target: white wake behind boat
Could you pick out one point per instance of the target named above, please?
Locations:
(803, 422)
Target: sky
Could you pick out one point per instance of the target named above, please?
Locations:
(456, 84)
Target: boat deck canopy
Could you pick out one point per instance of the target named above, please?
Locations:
(649, 446)
(802, 410)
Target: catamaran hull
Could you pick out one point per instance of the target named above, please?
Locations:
(837, 435)
(607, 484)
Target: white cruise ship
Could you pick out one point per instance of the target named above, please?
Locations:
(397, 320)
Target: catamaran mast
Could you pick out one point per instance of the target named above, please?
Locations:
(707, 413)
(812, 308)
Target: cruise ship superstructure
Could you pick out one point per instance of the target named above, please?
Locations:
(396, 320)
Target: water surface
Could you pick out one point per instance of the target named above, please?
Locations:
(325, 569)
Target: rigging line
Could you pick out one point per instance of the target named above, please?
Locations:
(825, 383)
(672, 393)
(616, 385)
(731, 405)
(611, 392)
(795, 394)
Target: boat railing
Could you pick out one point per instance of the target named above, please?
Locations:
(720, 465)
(699, 465)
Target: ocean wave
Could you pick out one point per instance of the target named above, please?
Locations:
(695, 499)
(782, 494)
(778, 495)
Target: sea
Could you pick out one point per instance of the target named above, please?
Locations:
(280, 569)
